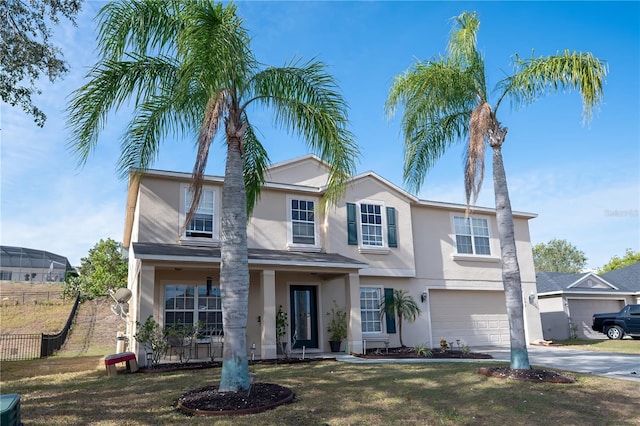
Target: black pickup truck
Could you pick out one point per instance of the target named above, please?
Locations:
(615, 325)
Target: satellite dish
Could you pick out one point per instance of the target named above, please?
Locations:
(122, 295)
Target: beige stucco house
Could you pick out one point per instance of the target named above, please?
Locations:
(377, 238)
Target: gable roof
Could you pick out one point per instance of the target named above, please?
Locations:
(628, 277)
(624, 280)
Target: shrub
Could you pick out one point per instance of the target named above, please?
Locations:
(153, 338)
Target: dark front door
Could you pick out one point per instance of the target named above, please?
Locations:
(304, 316)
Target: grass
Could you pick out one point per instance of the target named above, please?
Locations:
(44, 317)
(624, 346)
(327, 392)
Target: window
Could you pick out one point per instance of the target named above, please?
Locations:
(5, 275)
(372, 222)
(370, 310)
(472, 235)
(201, 224)
(303, 228)
(188, 304)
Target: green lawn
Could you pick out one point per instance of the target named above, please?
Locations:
(624, 346)
(327, 392)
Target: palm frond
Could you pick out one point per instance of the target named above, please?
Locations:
(480, 123)
(437, 99)
(256, 162)
(145, 27)
(462, 49)
(306, 101)
(567, 71)
(111, 84)
(215, 48)
(213, 116)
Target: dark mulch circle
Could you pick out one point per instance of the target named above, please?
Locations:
(208, 401)
(532, 375)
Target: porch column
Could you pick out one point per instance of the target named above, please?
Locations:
(145, 306)
(268, 322)
(354, 328)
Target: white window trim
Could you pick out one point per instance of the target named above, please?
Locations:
(215, 237)
(291, 246)
(472, 257)
(384, 248)
(167, 283)
(381, 318)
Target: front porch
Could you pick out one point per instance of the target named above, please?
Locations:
(182, 283)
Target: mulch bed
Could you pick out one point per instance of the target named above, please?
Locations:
(407, 352)
(208, 401)
(176, 366)
(532, 375)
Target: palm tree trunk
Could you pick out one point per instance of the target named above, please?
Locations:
(510, 269)
(400, 330)
(234, 271)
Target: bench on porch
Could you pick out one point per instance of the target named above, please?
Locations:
(380, 339)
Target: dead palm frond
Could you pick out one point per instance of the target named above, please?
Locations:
(480, 123)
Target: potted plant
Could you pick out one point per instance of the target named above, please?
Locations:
(337, 327)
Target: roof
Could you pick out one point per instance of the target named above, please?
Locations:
(20, 257)
(623, 280)
(628, 277)
(176, 252)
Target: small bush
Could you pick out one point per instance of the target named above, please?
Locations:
(422, 349)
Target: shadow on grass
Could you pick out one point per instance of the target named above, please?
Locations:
(334, 393)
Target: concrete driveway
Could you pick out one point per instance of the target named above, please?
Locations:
(613, 365)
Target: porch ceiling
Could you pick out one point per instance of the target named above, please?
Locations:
(180, 253)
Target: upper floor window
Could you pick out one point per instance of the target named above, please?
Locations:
(374, 229)
(202, 222)
(472, 235)
(371, 224)
(303, 225)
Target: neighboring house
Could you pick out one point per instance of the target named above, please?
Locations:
(29, 265)
(568, 301)
(378, 238)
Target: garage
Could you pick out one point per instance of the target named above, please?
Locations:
(476, 318)
(581, 310)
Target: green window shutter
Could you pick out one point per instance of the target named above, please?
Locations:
(352, 225)
(390, 317)
(392, 233)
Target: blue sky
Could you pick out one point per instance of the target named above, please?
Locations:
(583, 181)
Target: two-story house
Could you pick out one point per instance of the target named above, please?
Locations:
(377, 238)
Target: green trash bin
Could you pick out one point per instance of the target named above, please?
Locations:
(10, 410)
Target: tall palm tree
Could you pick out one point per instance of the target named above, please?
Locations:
(187, 68)
(445, 100)
(401, 304)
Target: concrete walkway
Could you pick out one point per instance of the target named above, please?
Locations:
(612, 365)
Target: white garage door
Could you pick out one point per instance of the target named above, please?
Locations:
(581, 311)
(477, 318)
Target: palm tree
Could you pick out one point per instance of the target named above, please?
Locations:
(445, 100)
(187, 68)
(402, 305)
